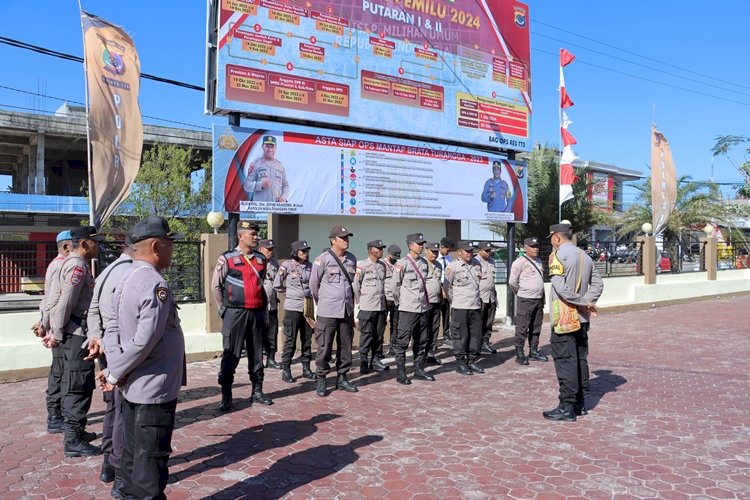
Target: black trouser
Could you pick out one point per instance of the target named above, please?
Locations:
(570, 352)
(488, 318)
(411, 326)
(326, 331)
(529, 318)
(371, 331)
(77, 383)
(271, 331)
(147, 432)
(54, 382)
(242, 327)
(466, 329)
(392, 310)
(112, 428)
(445, 318)
(296, 324)
(433, 327)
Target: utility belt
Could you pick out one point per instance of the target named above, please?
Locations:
(78, 321)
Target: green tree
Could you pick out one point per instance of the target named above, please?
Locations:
(728, 146)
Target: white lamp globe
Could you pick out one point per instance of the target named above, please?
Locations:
(647, 227)
(709, 229)
(215, 220)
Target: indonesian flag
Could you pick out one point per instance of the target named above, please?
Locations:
(565, 58)
(567, 173)
(565, 100)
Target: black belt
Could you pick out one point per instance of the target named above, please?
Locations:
(78, 321)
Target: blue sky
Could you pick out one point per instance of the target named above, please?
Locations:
(697, 77)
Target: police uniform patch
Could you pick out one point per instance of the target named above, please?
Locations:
(78, 274)
(237, 260)
(317, 262)
(162, 294)
(555, 266)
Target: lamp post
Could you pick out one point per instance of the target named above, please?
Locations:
(215, 220)
(648, 254)
(711, 252)
(647, 228)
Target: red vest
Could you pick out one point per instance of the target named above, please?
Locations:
(242, 286)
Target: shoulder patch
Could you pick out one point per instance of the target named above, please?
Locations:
(317, 262)
(162, 294)
(78, 274)
(398, 267)
(555, 266)
(448, 270)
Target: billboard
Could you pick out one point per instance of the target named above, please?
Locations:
(456, 70)
(292, 169)
(601, 190)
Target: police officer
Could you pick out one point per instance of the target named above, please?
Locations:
(462, 280)
(369, 291)
(266, 176)
(293, 280)
(271, 332)
(331, 287)
(576, 282)
(526, 279)
(496, 193)
(409, 282)
(151, 365)
(444, 257)
(394, 254)
(435, 295)
(55, 419)
(102, 311)
(488, 293)
(237, 285)
(68, 326)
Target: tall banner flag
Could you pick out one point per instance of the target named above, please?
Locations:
(115, 127)
(567, 174)
(663, 180)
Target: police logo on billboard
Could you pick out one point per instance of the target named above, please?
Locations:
(519, 17)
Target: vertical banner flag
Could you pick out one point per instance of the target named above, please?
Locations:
(113, 74)
(663, 180)
(567, 174)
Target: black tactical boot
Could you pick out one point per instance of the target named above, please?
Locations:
(118, 487)
(55, 423)
(421, 374)
(378, 365)
(107, 474)
(535, 355)
(580, 408)
(380, 354)
(364, 367)
(462, 367)
(77, 447)
(475, 368)
(431, 359)
(343, 384)
(306, 373)
(564, 412)
(401, 373)
(521, 358)
(87, 436)
(321, 388)
(271, 361)
(487, 348)
(258, 395)
(226, 398)
(286, 374)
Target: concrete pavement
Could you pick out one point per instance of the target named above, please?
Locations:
(670, 418)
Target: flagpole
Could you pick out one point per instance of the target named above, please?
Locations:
(560, 123)
(88, 127)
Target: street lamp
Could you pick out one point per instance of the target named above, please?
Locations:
(647, 228)
(709, 230)
(215, 220)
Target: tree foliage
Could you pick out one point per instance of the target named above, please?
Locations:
(728, 146)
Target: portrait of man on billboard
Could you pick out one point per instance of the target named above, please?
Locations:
(496, 194)
(266, 178)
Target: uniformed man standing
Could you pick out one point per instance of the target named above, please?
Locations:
(488, 293)
(462, 280)
(369, 291)
(496, 193)
(331, 287)
(101, 312)
(435, 295)
(271, 332)
(55, 419)
(68, 327)
(151, 367)
(237, 285)
(409, 283)
(394, 254)
(444, 257)
(527, 282)
(576, 282)
(266, 176)
(293, 280)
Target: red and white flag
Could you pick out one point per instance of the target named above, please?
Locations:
(567, 174)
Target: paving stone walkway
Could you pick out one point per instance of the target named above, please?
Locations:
(670, 419)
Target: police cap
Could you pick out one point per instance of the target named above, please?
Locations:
(266, 244)
(339, 231)
(415, 238)
(300, 245)
(269, 139)
(395, 250)
(432, 245)
(558, 228)
(63, 236)
(247, 225)
(467, 245)
(85, 233)
(153, 227)
(485, 245)
(531, 242)
(375, 244)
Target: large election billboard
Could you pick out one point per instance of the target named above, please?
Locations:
(452, 70)
(292, 169)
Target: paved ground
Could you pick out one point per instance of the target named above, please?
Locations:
(670, 419)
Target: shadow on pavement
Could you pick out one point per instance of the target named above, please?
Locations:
(604, 382)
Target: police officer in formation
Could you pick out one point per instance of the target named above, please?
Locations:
(435, 296)
(150, 367)
(293, 280)
(526, 279)
(394, 254)
(331, 286)
(488, 293)
(55, 419)
(237, 285)
(68, 327)
(369, 292)
(409, 283)
(444, 257)
(462, 285)
(271, 332)
(101, 313)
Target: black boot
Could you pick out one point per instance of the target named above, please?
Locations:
(487, 348)
(421, 374)
(431, 359)
(475, 368)
(286, 374)
(401, 377)
(343, 384)
(258, 395)
(580, 408)
(564, 412)
(306, 373)
(226, 398)
(118, 488)
(380, 354)
(107, 475)
(55, 423)
(535, 355)
(87, 436)
(462, 367)
(321, 388)
(521, 358)
(77, 447)
(364, 366)
(271, 361)
(378, 365)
